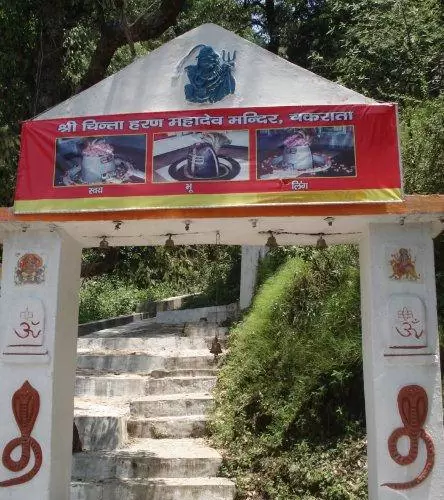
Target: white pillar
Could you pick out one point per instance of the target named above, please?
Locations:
(39, 307)
(401, 353)
(250, 259)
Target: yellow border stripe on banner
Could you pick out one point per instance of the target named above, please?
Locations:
(207, 200)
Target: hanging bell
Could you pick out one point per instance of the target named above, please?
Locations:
(215, 348)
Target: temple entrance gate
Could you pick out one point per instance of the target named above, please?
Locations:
(294, 164)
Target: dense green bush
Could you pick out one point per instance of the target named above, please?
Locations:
(290, 394)
(104, 297)
(220, 278)
(153, 273)
(422, 140)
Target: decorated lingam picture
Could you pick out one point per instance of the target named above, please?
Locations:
(201, 156)
(117, 159)
(306, 151)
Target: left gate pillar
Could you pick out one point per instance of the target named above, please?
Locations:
(39, 307)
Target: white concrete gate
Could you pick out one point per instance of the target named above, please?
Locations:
(41, 267)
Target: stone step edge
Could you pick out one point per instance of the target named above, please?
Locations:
(140, 339)
(164, 481)
(177, 334)
(88, 372)
(186, 396)
(179, 354)
(140, 376)
(172, 418)
(146, 454)
(118, 401)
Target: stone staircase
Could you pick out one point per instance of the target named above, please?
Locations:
(142, 394)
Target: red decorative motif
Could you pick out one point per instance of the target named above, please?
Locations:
(30, 269)
(26, 406)
(413, 408)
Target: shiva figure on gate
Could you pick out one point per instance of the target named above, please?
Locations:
(211, 78)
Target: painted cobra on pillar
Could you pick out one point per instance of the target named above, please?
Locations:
(413, 409)
(26, 406)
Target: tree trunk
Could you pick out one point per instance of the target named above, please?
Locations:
(49, 85)
(273, 33)
(113, 36)
(105, 265)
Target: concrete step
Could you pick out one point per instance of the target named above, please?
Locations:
(142, 394)
(169, 405)
(136, 362)
(102, 425)
(140, 344)
(143, 328)
(122, 385)
(201, 488)
(204, 372)
(209, 315)
(204, 330)
(183, 426)
(148, 458)
(134, 385)
(180, 385)
(149, 329)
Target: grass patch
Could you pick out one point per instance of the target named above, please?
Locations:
(106, 296)
(289, 402)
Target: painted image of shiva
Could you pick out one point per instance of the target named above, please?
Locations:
(211, 78)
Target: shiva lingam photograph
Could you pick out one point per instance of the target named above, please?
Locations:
(307, 152)
(100, 160)
(201, 156)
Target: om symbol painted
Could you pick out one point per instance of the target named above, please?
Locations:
(28, 327)
(211, 78)
(409, 324)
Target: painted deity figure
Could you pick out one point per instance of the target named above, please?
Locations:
(211, 78)
(403, 265)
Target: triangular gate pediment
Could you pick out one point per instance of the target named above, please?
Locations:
(156, 81)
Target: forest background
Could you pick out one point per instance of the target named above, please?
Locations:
(390, 50)
(285, 436)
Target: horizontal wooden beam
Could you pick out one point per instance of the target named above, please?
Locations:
(432, 205)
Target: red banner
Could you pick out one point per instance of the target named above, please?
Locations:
(210, 158)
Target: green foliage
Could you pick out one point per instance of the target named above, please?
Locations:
(79, 44)
(212, 270)
(328, 471)
(152, 273)
(276, 258)
(230, 14)
(9, 143)
(220, 279)
(422, 140)
(293, 382)
(105, 297)
(391, 49)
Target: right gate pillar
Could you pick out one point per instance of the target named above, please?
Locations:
(402, 376)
